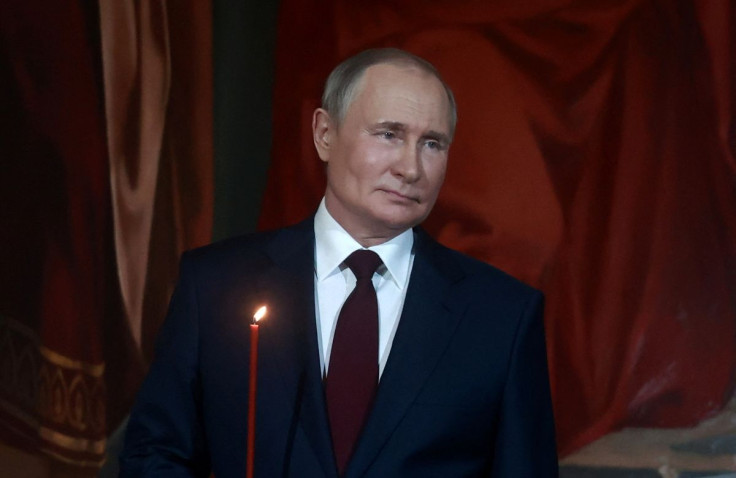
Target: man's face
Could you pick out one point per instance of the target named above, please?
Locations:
(386, 161)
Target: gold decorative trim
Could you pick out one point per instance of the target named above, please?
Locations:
(18, 413)
(25, 433)
(71, 443)
(54, 400)
(95, 370)
(71, 461)
(21, 328)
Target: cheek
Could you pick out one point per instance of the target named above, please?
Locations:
(351, 180)
(367, 171)
(435, 173)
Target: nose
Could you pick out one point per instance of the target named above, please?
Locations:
(408, 165)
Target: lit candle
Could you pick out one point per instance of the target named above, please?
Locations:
(260, 313)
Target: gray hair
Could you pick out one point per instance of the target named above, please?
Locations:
(343, 82)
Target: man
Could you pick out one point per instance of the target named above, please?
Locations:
(427, 363)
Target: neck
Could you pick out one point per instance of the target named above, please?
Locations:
(368, 241)
(363, 234)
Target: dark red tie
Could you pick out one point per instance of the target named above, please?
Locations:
(352, 377)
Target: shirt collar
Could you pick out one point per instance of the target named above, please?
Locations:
(334, 244)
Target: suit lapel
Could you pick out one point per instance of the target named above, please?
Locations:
(290, 335)
(425, 329)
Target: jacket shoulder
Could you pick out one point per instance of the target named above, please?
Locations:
(476, 273)
(247, 248)
(224, 249)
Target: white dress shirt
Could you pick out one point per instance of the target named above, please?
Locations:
(334, 281)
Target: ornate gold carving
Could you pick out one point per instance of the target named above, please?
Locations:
(94, 370)
(59, 399)
(72, 443)
(71, 461)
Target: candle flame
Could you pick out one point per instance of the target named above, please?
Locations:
(260, 313)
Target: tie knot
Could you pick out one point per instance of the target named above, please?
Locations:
(363, 263)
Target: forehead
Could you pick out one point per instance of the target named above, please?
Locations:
(401, 91)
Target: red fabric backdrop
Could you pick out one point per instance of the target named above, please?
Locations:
(594, 159)
(72, 348)
(54, 231)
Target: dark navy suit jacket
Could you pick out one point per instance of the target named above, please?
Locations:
(464, 393)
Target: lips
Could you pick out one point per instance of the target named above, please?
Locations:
(400, 196)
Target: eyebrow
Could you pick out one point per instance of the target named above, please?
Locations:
(392, 125)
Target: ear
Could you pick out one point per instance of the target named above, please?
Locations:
(322, 133)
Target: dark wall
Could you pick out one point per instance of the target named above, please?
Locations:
(244, 42)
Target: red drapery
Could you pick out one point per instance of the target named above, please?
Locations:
(54, 233)
(594, 158)
(77, 84)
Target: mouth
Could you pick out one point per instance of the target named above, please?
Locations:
(399, 197)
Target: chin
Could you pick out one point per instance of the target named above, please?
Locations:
(398, 218)
(401, 224)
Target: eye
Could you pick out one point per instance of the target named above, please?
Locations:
(387, 134)
(434, 145)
